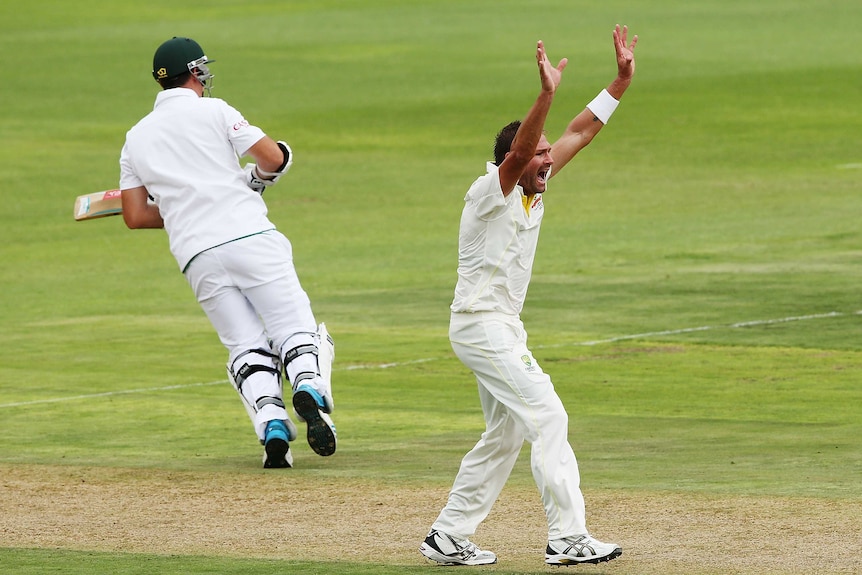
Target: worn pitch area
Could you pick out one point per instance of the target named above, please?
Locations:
(166, 512)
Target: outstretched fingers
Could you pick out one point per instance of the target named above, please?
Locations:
(634, 39)
(549, 74)
(621, 37)
(624, 50)
(540, 52)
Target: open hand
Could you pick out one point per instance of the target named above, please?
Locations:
(625, 52)
(550, 75)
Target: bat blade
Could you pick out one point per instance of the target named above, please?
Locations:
(98, 205)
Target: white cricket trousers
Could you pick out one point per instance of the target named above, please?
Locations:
(251, 294)
(519, 403)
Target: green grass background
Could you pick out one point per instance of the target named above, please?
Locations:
(726, 189)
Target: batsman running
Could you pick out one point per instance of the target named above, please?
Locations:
(499, 231)
(180, 170)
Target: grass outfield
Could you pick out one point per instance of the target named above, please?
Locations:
(695, 295)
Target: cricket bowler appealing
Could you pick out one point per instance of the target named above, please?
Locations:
(180, 170)
(497, 243)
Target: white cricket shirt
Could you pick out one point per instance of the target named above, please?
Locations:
(186, 152)
(496, 247)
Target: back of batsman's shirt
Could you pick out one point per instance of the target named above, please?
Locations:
(186, 153)
(496, 246)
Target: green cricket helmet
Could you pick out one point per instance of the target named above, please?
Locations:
(179, 55)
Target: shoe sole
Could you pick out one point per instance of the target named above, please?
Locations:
(566, 560)
(434, 555)
(321, 438)
(276, 454)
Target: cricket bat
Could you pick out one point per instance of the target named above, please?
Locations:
(98, 205)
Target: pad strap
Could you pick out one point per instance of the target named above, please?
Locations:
(247, 369)
(292, 354)
(269, 400)
(297, 377)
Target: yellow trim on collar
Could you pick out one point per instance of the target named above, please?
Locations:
(528, 201)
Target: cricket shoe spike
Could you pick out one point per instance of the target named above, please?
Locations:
(276, 444)
(448, 550)
(309, 406)
(580, 549)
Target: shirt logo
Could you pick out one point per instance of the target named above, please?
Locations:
(532, 202)
(240, 125)
(537, 202)
(528, 363)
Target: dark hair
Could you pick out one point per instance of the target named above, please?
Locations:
(503, 141)
(175, 81)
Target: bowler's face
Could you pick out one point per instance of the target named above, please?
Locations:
(535, 178)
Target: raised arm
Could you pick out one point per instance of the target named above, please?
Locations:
(583, 128)
(527, 138)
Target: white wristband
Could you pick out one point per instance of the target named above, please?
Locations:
(603, 106)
